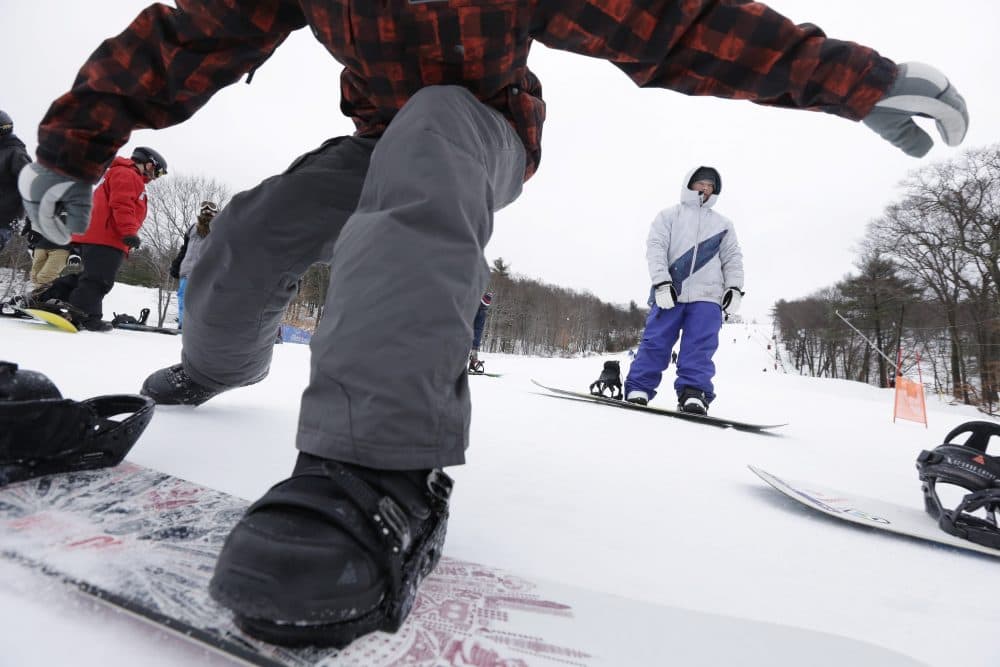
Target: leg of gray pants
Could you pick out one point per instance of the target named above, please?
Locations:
(389, 384)
(259, 246)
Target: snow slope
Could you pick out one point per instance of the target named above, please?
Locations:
(641, 506)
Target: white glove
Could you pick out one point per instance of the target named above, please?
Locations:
(731, 300)
(57, 205)
(665, 295)
(919, 90)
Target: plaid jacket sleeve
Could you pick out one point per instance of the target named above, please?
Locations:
(724, 48)
(158, 72)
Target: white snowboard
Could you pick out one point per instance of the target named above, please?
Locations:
(899, 519)
(145, 543)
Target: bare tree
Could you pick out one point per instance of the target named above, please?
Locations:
(935, 255)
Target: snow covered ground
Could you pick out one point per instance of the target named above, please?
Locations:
(645, 507)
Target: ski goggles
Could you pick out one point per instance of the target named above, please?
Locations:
(208, 207)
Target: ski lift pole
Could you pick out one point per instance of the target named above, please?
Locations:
(870, 344)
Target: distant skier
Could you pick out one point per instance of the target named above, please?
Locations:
(478, 324)
(448, 120)
(696, 267)
(190, 253)
(13, 157)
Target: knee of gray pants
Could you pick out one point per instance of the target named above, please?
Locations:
(454, 113)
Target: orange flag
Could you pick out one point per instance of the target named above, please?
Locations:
(909, 403)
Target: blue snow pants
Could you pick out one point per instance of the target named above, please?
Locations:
(701, 322)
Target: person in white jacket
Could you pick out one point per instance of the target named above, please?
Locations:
(696, 270)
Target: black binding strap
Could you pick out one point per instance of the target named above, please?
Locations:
(52, 435)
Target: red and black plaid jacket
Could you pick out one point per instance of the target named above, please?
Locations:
(169, 62)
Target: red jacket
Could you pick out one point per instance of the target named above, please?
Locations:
(119, 206)
(169, 62)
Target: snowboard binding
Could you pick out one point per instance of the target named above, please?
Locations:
(125, 318)
(406, 559)
(609, 384)
(15, 308)
(970, 467)
(42, 433)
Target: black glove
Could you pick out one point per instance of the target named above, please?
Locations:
(175, 270)
(131, 241)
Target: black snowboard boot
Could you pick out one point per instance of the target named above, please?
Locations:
(332, 553)
(173, 386)
(693, 401)
(94, 324)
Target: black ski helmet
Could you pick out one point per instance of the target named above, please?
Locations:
(970, 467)
(145, 154)
(6, 123)
(707, 174)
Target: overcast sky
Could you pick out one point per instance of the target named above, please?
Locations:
(799, 186)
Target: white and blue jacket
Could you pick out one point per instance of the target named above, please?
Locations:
(695, 247)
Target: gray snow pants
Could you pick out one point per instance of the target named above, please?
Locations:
(402, 220)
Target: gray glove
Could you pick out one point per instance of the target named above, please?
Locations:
(57, 205)
(919, 90)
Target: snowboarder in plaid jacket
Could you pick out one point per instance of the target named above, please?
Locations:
(448, 127)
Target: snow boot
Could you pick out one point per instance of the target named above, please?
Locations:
(693, 401)
(94, 324)
(332, 553)
(173, 386)
(638, 397)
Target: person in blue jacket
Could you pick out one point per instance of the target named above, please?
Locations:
(696, 270)
(478, 324)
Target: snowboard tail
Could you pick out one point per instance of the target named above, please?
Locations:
(51, 318)
(710, 420)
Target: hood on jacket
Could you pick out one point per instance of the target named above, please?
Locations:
(690, 197)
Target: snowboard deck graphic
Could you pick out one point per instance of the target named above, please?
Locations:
(909, 521)
(147, 327)
(49, 318)
(145, 543)
(704, 419)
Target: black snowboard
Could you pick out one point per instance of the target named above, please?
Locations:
(146, 327)
(704, 419)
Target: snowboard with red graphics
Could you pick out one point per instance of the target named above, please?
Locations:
(145, 543)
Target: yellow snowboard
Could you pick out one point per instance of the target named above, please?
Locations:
(51, 318)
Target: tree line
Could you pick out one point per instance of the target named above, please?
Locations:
(927, 284)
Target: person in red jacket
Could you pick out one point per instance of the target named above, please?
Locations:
(119, 209)
(449, 125)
